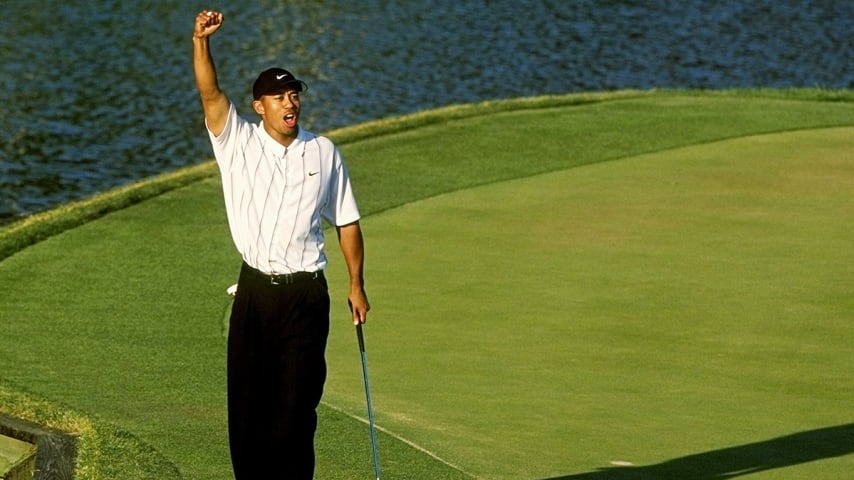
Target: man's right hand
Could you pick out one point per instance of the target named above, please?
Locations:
(214, 102)
(207, 22)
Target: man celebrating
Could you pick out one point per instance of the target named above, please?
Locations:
(278, 181)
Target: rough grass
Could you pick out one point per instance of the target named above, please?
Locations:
(103, 450)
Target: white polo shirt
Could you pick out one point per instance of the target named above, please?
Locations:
(275, 196)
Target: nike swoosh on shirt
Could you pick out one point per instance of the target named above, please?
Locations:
(311, 174)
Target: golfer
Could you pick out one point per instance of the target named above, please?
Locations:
(278, 180)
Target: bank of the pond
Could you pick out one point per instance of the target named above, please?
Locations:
(37, 227)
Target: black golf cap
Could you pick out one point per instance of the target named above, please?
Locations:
(276, 80)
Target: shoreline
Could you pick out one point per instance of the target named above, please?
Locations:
(19, 233)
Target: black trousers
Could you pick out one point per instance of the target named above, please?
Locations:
(276, 371)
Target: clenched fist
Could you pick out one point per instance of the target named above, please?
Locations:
(207, 22)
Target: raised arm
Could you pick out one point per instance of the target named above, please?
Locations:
(214, 101)
(352, 245)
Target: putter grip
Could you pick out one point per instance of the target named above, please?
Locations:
(361, 338)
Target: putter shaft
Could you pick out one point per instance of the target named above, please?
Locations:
(368, 400)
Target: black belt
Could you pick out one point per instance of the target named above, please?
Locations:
(282, 278)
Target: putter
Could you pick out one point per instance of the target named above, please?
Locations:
(368, 397)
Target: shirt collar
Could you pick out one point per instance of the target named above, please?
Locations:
(271, 145)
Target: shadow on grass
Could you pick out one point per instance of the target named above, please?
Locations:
(798, 448)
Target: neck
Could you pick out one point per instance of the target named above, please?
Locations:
(285, 138)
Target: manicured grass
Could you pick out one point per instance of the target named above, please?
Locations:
(102, 450)
(658, 351)
(645, 310)
(439, 157)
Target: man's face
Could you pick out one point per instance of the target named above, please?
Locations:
(280, 113)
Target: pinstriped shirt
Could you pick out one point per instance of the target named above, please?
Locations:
(275, 196)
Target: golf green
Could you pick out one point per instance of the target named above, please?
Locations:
(656, 279)
(642, 310)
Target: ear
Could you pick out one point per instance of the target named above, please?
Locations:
(259, 107)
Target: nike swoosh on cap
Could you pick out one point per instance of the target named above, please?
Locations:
(279, 77)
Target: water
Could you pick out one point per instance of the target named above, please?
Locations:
(95, 94)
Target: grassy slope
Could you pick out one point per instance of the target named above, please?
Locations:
(395, 169)
(133, 340)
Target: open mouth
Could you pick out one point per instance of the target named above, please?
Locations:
(290, 120)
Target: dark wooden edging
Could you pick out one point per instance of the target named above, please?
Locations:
(56, 451)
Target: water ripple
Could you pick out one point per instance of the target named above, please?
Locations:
(97, 94)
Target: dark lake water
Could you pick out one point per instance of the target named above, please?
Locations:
(95, 93)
